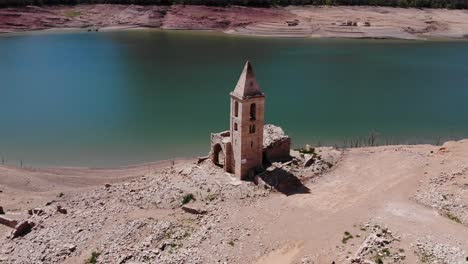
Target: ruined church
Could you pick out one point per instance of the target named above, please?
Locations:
(248, 144)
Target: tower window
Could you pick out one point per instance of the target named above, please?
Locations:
(236, 108)
(252, 129)
(251, 144)
(235, 126)
(253, 111)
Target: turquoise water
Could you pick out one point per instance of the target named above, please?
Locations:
(105, 99)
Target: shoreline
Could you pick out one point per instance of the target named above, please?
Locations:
(305, 22)
(53, 31)
(158, 164)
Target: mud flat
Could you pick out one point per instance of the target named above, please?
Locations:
(302, 22)
(388, 204)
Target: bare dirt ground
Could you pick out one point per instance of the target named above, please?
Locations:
(390, 204)
(294, 21)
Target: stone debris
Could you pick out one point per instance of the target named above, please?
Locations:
(185, 171)
(194, 209)
(435, 253)
(377, 247)
(310, 160)
(22, 228)
(202, 159)
(61, 210)
(36, 211)
(447, 192)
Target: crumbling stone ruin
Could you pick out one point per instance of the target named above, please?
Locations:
(276, 144)
(248, 144)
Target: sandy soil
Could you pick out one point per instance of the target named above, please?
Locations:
(302, 22)
(367, 207)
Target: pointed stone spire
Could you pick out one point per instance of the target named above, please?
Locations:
(247, 85)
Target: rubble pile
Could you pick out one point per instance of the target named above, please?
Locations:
(378, 247)
(448, 193)
(431, 252)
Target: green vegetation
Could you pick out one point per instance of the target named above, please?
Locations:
(72, 13)
(453, 4)
(347, 236)
(188, 198)
(211, 197)
(386, 252)
(378, 260)
(452, 217)
(93, 258)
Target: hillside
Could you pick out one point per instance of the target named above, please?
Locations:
(291, 21)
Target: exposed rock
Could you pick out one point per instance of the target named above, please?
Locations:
(194, 209)
(71, 247)
(50, 202)
(36, 211)
(309, 161)
(61, 210)
(308, 148)
(186, 171)
(202, 159)
(444, 192)
(431, 252)
(377, 246)
(22, 229)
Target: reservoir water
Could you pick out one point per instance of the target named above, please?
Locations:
(117, 98)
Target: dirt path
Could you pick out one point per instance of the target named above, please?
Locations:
(374, 184)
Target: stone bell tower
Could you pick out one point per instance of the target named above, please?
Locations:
(247, 120)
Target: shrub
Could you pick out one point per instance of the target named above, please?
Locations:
(93, 258)
(188, 198)
(347, 236)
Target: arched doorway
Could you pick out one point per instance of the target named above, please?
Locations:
(218, 155)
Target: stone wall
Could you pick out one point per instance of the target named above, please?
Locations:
(222, 140)
(276, 144)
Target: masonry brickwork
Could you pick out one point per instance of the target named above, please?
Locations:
(241, 149)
